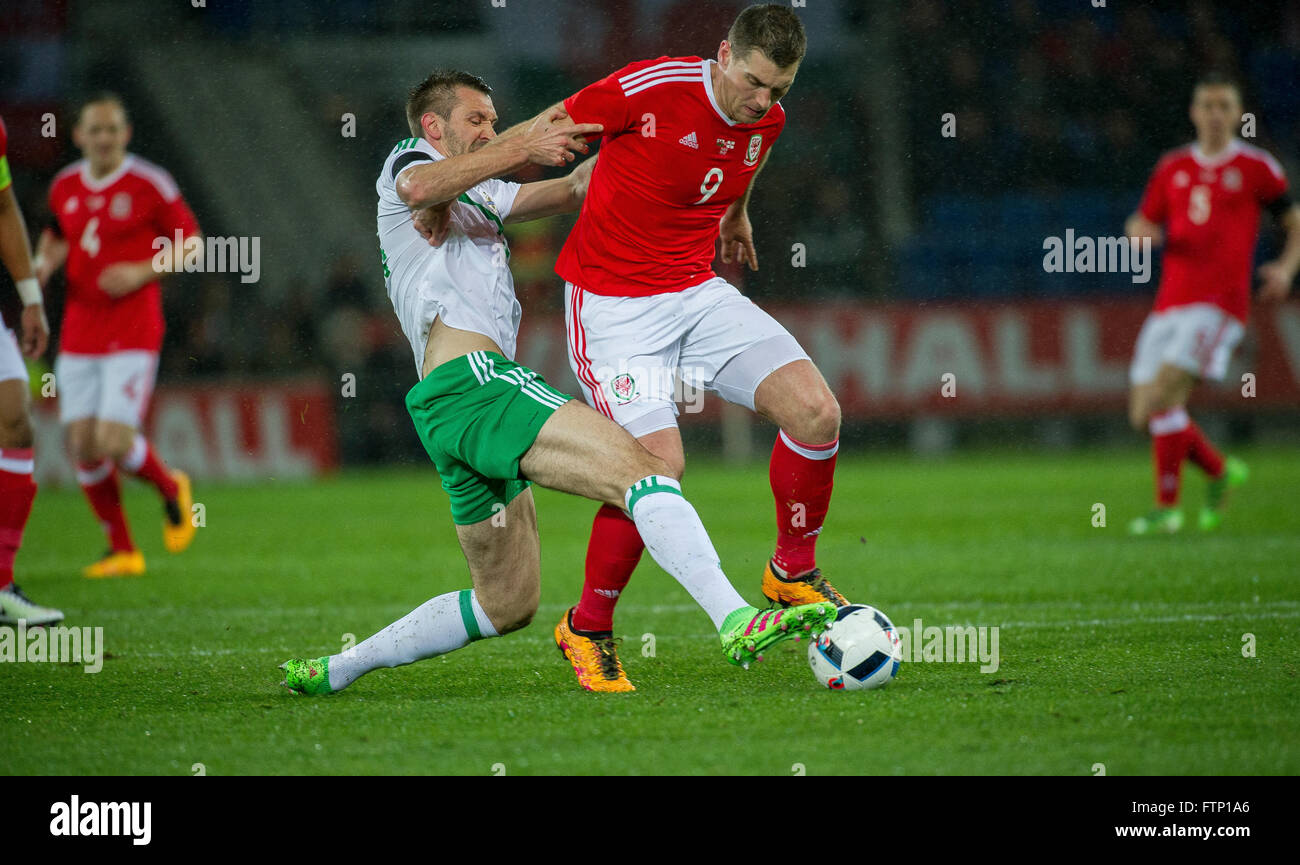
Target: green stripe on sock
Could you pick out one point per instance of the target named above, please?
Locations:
(467, 616)
(647, 486)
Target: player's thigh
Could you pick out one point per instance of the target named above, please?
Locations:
(78, 382)
(624, 352)
(733, 346)
(504, 556)
(580, 451)
(15, 397)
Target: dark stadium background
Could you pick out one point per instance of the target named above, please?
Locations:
(1061, 110)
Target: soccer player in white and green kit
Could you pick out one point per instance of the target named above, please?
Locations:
(492, 426)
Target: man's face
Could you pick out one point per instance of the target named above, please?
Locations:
(752, 84)
(471, 124)
(1215, 112)
(102, 134)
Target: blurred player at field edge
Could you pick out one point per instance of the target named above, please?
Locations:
(109, 207)
(1203, 203)
(17, 462)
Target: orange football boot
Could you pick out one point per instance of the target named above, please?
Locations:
(809, 588)
(119, 563)
(594, 660)
(178, 525)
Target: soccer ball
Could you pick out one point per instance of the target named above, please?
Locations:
(859, 651)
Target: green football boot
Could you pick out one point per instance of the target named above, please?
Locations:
(1160, 521)
(748, 632)
(310, 677)
(1235, 473)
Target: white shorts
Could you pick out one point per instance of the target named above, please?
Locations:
(631, 355)
(114, 387)
(11, 357)
(1198, 337)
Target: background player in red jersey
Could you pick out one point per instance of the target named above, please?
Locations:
(1203, 202)
(109, 208)
(684, 139)
(17, 490)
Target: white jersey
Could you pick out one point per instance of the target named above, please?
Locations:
(466, 280)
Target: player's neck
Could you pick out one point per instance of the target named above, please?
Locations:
(99, 172)
(1211, 148)
(715, 83)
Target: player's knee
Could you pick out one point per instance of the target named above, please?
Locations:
(16, 430)
(110, 442)
(817, 420)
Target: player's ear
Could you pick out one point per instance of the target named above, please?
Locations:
(432, 125)
(126, 136)
(724, 54)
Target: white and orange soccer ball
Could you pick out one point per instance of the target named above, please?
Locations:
(860, 650)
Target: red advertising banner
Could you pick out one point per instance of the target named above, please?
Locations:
(893, 360)
(281, 430)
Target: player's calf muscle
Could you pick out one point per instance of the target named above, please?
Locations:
(504, 560)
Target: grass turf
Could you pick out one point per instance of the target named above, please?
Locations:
(1113, 650)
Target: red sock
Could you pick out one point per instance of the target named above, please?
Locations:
(100, 484)
(802, 477)
(17, 491)
(143, 462)
(1169, 443)
(612, 555)
(1202, 453)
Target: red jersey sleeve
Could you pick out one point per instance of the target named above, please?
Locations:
(1155, 203)
(175, 215)
(1270, 182)
(608, 102)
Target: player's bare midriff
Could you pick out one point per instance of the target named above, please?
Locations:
(448, 343)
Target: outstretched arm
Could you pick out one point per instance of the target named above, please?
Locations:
(550, 138)
(549, 197)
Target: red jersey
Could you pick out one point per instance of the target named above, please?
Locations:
(105, 221)
(670, 164)
(1210, 208)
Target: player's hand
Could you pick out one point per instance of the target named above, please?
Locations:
(36, 331)
(433, 223)
(124, 278)
(1276, 281)
(554, 139)
(737, 237)
(44, 270)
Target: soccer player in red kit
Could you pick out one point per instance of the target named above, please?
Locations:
(683, 141)
(17, 463)
(109, 208)
(1203, 203)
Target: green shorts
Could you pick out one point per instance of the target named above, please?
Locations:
(477, 416)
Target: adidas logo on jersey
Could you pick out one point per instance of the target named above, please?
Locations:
(689, 141)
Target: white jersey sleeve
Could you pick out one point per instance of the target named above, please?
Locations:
(465, 280)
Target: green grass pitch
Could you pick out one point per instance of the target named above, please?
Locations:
(1119, 651)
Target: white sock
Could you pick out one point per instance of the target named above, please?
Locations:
(436, 627)
(676, 540)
